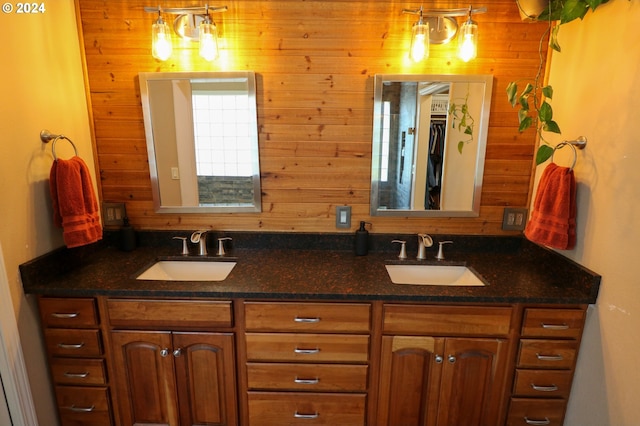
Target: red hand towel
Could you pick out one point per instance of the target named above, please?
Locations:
(75, 208)
(553, 219)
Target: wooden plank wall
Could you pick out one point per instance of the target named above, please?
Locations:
(315, 62)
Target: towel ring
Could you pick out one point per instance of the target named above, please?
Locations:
(46, 137)
(580, 143)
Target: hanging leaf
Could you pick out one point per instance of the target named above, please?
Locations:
(512, 90)
(527, 89)
(546, 112)
(551, 126)
(460, 146)
(547, 91)
(573, 9)
(543, 154)
(525, 123)
(553, 40)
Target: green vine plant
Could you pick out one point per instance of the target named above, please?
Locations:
(462, 120)
(533, 100)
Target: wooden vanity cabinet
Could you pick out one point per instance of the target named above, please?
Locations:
(76, 356)
(443, 365)
(307, 363)
(548, 349)
(171, 366)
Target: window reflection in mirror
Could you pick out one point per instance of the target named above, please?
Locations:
(202, 141)
(429, 141)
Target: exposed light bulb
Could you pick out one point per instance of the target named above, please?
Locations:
(468, 41)
(419, 41)
(161, 40)
(208, 38)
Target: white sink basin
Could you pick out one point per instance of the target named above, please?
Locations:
(433, 275)
(181, 270)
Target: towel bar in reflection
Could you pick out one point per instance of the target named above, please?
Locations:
(579, 143)
(46, 137)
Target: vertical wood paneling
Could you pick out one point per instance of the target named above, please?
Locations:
(315, 62)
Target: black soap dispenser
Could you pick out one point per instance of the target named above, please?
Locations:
(127, 236)
(362, 240)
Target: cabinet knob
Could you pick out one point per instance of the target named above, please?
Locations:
(177, 352)
(164, 352)
(439, 359)
(451, 359)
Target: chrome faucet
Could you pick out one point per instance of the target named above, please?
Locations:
(440, 255)
(424, 241)
(199, 237)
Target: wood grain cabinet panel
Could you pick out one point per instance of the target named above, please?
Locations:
(307, 377)
(172, 378)
(78, 371)
(300, 347)
(308, 317)
(553, 323)
(547, 353)
(83, 406)
(536, 412)
(278, 409)
(71, 342)
(68, 312)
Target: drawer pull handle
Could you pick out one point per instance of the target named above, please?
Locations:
(76, 375)
(306, 416)
(306, 351)
(70, 345)
(82, 409)
(306, 381)
(306, 320)
(555, 326)
(551, 388)
(549, 357)
(544, 422)
(65, 315)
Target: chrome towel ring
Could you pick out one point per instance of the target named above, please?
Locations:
(46, 137)
(579, 143)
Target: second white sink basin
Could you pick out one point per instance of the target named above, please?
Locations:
(433, 275)
(181, 270)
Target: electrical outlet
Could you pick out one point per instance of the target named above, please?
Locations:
(514, 219)
(343, 216)
(113, 214)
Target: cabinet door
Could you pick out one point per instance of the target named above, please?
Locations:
(144, 378)
(205, 371)
(409, 380)
(472, 382)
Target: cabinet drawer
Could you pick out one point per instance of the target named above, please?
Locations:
(543, 383)
(547, 353)
(446, 320)
(561, 323)
(307, 347)
(307, 377)
(83, 406)
(169, 313)
(536, 412)
(73, 371)
(314, 317)
(277, 409)
(68, 312)
(63, 342)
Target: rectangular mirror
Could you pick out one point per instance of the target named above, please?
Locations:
(202, 141)
(429, 141)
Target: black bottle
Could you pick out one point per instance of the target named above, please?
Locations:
(362, 240)
(127, 236)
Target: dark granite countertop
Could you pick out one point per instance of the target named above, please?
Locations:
(318, 266)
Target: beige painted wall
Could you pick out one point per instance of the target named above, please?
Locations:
(596, 94)
(42, 87)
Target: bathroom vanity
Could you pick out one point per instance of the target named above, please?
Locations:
(318, 337)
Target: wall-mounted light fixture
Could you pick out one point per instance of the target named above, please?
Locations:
(192, 23)
(439, 26)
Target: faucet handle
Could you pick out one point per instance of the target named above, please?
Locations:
(403, 248)
(185, 247)
(424, 241)
(440, 255)
(221, 241)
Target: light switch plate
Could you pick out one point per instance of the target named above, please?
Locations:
(514, 219)
(343, 216)
(113, 214)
